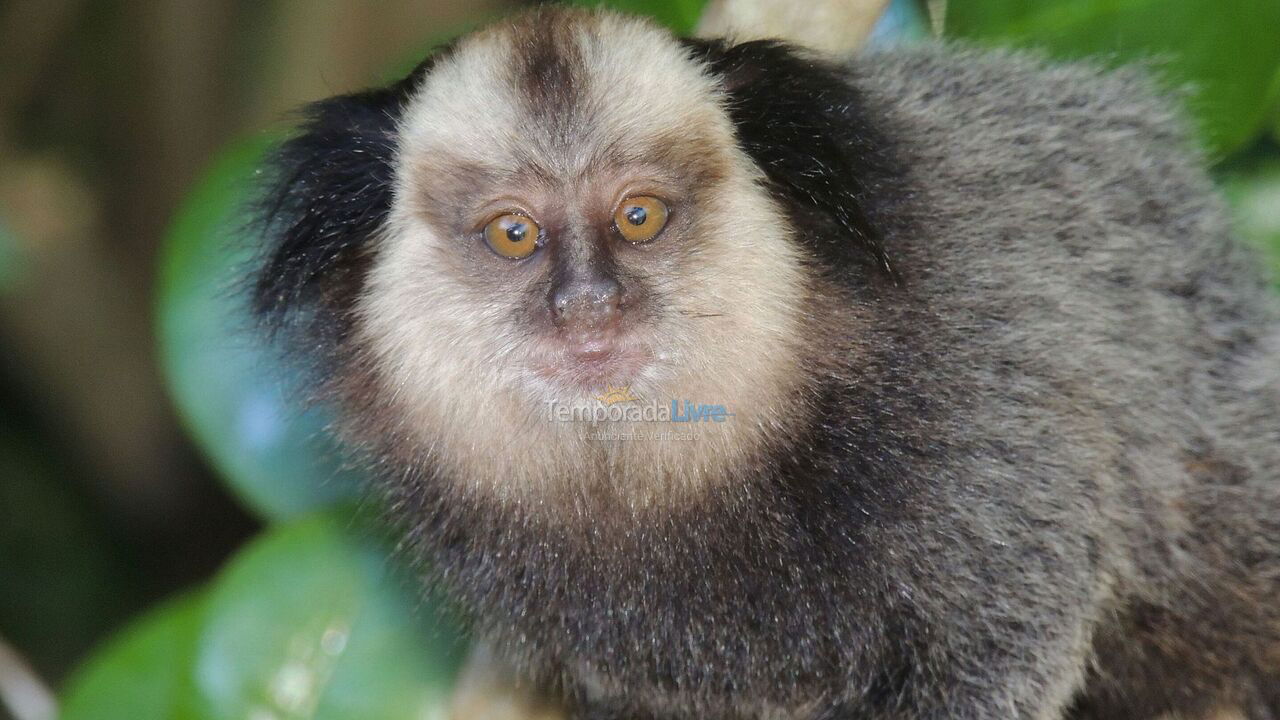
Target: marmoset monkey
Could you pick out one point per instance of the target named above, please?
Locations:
(723, 381)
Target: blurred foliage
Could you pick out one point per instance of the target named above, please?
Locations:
(242, 408)
(679, 15)
(1253, 188)
(72, 576)
(8, 257)
(1275, 108)
(309, 621)
(143, 672)
(904, 21)
(1226, 51)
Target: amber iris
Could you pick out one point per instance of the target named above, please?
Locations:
(512, 236)
(640, 219)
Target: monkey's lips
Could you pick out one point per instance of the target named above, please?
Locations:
(593, 365)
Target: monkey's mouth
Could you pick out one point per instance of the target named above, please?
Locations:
(593, 365)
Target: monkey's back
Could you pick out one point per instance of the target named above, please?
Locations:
(1117, 342)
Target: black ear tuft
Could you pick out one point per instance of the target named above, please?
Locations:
(327, 192)
(804, 125)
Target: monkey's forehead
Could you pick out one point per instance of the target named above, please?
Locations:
(558, 87)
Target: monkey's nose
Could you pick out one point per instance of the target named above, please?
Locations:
(586, 305)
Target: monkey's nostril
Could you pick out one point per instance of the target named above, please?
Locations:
(586, 304)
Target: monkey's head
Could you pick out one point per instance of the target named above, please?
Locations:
(556, 215)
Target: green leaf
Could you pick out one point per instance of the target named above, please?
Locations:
(141, 674)
(1253, 190)
(309, 622)
(235, 397)
(1275, 107)
(679, 15)
(1227, 51)
(977, 18)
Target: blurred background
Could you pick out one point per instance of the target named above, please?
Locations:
(109, 112)
(138, 447)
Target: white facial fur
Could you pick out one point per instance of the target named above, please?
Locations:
(452, 356)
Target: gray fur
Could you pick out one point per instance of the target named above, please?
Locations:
(1036, 473)
(1123, 354)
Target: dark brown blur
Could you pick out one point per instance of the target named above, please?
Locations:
(109, 111)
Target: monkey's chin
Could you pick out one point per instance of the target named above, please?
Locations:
(594, 371)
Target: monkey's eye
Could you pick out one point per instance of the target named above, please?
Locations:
(639, 219)
(512, 236)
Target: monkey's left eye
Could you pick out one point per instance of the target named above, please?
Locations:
(512, 236)
(639, 219)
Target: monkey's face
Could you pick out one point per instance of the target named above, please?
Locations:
(572, 214)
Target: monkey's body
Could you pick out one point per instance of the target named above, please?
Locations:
(1033, 465)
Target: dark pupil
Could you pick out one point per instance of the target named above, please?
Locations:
(516, 232)
(636, 215)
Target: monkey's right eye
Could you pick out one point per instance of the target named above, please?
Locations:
(512, 236)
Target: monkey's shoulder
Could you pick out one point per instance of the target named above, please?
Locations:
(1065, 164)
(1023, 95)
